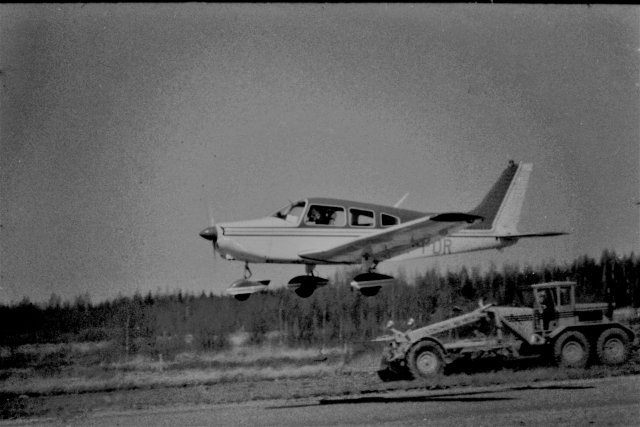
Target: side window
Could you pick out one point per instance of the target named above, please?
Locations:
(361, 218)
(389, 220)
(325, 215)
(565, 296)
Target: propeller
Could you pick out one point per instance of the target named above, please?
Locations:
(211, 232)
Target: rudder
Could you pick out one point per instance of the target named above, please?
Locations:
(502, 205)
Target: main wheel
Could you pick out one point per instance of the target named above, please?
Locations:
(305, 291)
(571, 350)
(613, 347)
(370, 292)
(426, 360)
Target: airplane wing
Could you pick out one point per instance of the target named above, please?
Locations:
(395, 240)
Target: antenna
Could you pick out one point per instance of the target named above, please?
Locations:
(399, 202)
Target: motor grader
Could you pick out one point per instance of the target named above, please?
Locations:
(554, 326)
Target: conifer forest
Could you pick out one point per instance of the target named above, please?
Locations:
(166, 324)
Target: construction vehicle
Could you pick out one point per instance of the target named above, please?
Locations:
(553, 326)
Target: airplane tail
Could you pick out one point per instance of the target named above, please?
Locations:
(502, 205)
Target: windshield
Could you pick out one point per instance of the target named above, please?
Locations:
(292, 212)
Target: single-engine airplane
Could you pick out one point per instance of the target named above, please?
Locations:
(318, 230)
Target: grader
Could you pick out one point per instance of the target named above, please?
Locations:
(571, 334)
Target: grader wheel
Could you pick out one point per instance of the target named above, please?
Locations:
(426, 360)
(571, 350)
(613, 347)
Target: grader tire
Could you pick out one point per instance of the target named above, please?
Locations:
(426, 360)
(613, 347)
(571, 350)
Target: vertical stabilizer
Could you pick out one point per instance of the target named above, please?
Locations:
(502, 205)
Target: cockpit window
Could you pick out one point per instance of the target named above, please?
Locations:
(326, 215)
(361, 218)
(291, 213)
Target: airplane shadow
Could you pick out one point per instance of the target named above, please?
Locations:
(380, 399)
(468, 397)
(456, 397)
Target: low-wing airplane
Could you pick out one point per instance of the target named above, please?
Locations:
(318, 230)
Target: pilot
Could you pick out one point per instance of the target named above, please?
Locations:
(313, 216)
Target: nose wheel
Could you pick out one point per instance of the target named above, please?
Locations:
(309, 269)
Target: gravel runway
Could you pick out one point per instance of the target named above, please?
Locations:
(608, 401)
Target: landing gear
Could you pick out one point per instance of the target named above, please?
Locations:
(305, 286)
(370, 282)
(242, 297)
(247, 271)
(371, 291)
(242, 289)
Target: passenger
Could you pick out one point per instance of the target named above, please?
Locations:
(332, 218)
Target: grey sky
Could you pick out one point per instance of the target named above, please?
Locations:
(120, 122)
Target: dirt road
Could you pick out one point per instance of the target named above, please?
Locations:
(609, 401)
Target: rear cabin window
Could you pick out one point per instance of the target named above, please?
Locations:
(326, 215)
(361, 218)
(389, 220)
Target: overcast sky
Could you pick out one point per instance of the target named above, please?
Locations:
(120, 123)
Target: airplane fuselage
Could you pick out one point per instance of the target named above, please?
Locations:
(278, 239)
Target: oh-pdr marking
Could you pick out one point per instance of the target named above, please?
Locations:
(441, 247)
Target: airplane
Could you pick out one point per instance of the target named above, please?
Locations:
(328, 231)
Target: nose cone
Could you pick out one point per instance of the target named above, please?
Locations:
(210, 233)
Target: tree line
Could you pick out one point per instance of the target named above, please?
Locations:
(334, 314)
